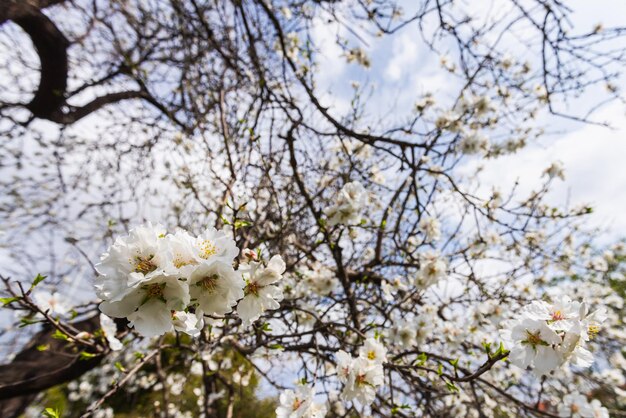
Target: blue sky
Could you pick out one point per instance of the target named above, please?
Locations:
(403, 69)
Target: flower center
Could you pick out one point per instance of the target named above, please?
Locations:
(593, 330)
(252, 287)
(432, 269)
(209, 283)
(534, 339)
(360, 380)
(371, 355)
(557, 316)
(144, 265)
(181, 261)
(207, 249)
(154, 291)
(296, 404)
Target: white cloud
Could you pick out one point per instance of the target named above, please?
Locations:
(595, 168)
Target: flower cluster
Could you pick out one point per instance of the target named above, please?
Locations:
(432, 269)
(161, 281)
(348, 206)
(299, 404)
(576, 405)
(549, 335)
(363, 374)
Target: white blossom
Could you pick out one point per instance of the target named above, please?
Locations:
(110, 329)
(299, 404)
(348, 206)
(215, 287)
(260, 292)
(431, 228)
(51, 302)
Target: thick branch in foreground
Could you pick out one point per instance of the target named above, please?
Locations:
(33, 370)
(51, 46)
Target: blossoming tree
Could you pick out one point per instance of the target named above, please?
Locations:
(203, 221)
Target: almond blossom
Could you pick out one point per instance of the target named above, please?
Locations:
(348, 206)
(260, 293)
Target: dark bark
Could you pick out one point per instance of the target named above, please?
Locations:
(33, 371)
(51, 46)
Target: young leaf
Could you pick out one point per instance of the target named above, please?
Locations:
(120, 367)
(6, 301)
(58, 335)
(37, 280)
(86, 356)
(51, 413)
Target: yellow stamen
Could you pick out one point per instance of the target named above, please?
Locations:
(179, 262)
(557, 316)
(534, 339)
(209, 283)
(207, 249)
(144, 265)
(296, 404)
(253, 288)
(155, 290)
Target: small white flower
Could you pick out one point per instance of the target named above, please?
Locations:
(402, 334)
(373, 350)
(348, 206)
(473, 142)
(575, 405)
(216, 245)
(555, 170)
(215, 287)
(260, 292)
(563, 314)
(299, 404)
(138, 257)
(533, 343)
(362, 375)
(110, 329)
(432, 270)
(431, 228)
(148, 305)
(188, 323)
(363, 380)
(50, 302)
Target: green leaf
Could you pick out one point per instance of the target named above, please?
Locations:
(440, 369)
(240, 223)
(51, 413)
(37, 280)
(452, 387)
(24, 322)
(6, 301)
(86, 356)
(276, 347)
(500, 350)
(43, 347)
(396, 409)
(120, 367)
(454, 363)
(58, 335)
(421, 359)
